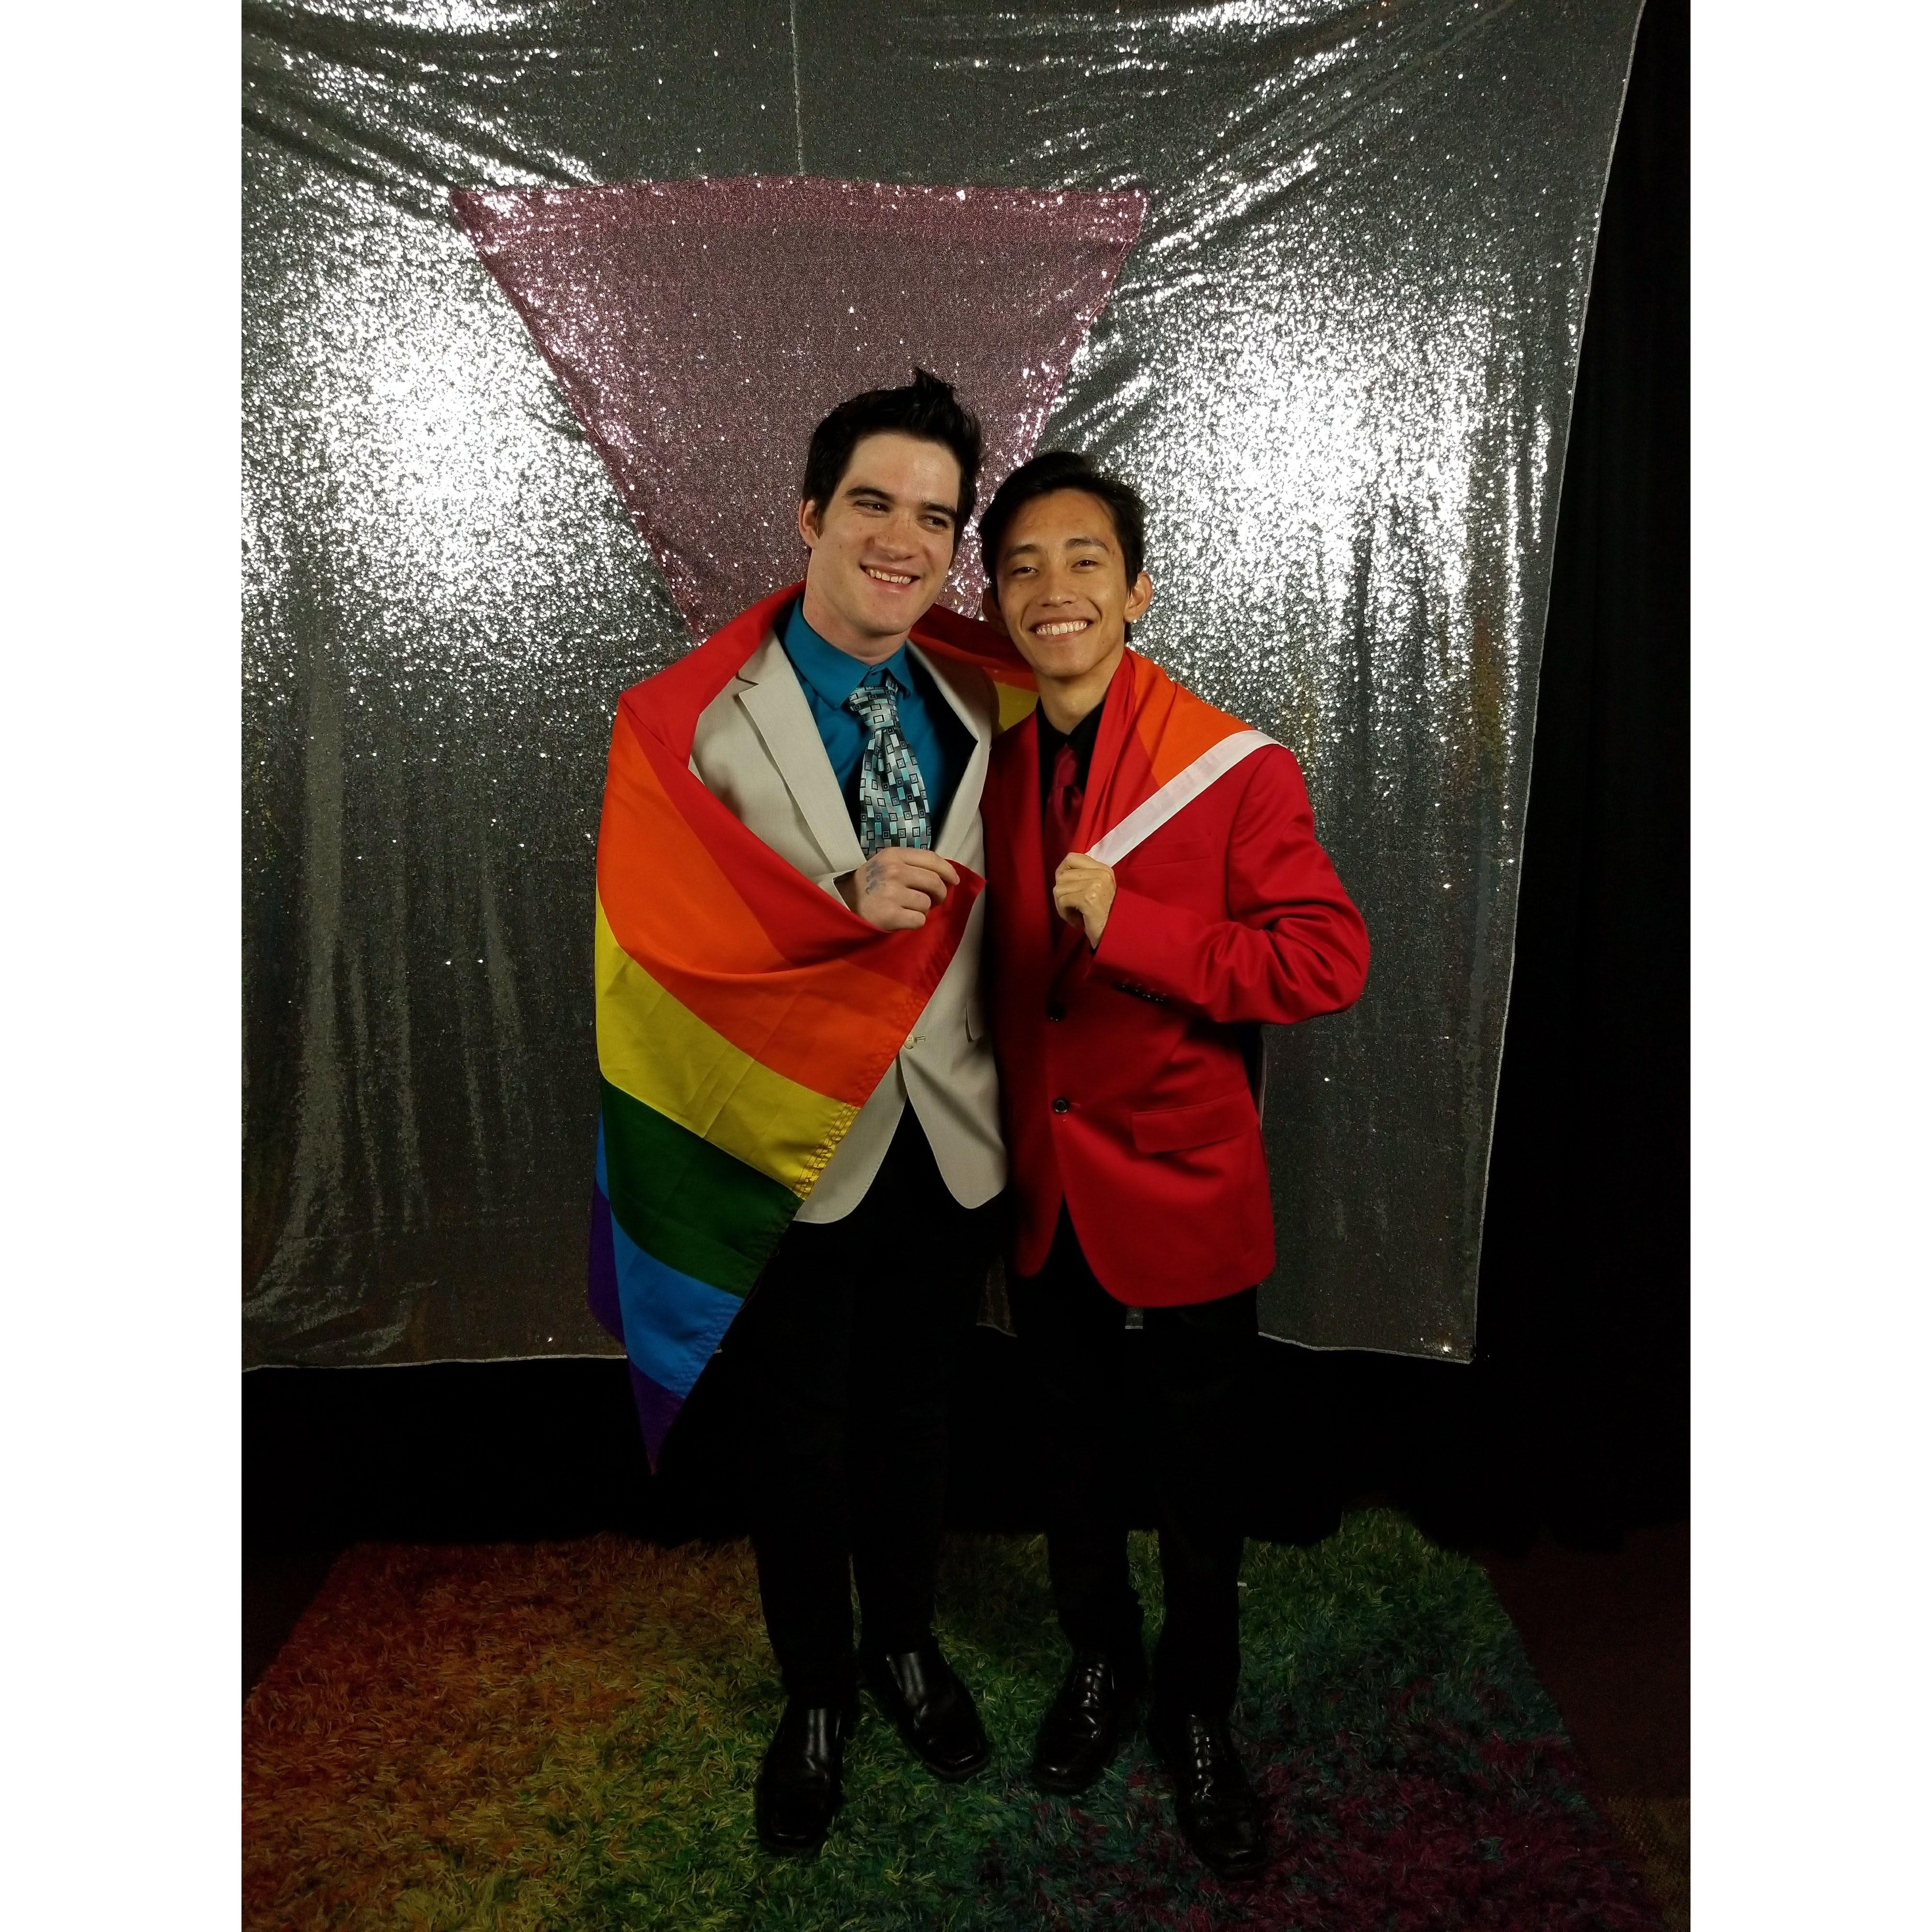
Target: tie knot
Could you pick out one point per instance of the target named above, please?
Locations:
(874, 704)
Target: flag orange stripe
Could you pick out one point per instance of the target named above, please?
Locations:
(805, 924)
(1173, 727)
(688, 924)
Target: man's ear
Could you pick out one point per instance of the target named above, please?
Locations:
(1139, 597)
(989, 602)
(808, 522)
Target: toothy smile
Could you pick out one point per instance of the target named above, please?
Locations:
(1064, 627)
(897, 579)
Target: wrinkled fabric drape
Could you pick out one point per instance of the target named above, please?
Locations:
(1338, 362)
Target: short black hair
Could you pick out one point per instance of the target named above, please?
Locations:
(1054, 469)
(925, 407)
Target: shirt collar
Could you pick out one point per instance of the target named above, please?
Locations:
(1081, 737)
(832, 673)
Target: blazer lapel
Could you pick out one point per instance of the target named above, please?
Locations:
(951, 842)
(1069, 941)
(1019, 804)
(775, 701)
(1070, 947)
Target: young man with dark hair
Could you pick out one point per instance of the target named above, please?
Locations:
(859, 758)
(1156, 891)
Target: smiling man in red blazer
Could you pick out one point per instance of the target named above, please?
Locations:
(1154, 890)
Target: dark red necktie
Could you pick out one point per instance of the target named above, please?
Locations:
(1061, 814)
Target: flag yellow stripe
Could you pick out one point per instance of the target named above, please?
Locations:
(1016, 701)
(654, 1048)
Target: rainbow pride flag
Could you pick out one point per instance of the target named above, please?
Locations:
(744, 1016)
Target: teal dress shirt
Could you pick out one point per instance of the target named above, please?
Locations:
(937, 740)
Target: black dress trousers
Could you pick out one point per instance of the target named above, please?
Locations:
(1177, 1388)
(844, 1356)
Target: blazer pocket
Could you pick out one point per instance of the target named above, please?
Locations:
(1169, 1130)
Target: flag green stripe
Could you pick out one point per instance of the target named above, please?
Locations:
(696, 1208)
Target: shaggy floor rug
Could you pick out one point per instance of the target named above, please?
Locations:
(564, 1736)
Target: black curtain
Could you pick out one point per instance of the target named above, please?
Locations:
(1585, 1320)
(1574, 1416)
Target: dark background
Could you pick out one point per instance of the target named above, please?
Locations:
(1572, 1421)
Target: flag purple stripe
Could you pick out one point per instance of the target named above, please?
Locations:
(657, 1409)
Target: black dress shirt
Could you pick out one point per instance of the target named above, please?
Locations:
(1081, 738)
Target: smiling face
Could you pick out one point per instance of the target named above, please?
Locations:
(1061, 593)
(882, 546)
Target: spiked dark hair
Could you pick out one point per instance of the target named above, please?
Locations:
(925, 407)
(1054, 469)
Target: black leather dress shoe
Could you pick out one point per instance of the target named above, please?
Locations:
(1080, 1735)
(801, 1783)
(921, 1694)
(1220, 1815)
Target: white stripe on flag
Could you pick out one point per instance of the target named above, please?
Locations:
(1183, 789)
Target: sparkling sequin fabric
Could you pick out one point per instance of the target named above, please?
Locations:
(1337, 361)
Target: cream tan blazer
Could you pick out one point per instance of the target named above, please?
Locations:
(757, 749)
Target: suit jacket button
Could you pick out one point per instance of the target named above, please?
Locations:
(1062, 1104)
(1056, 1011)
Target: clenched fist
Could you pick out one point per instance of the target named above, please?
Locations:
(897, 887)
(1083, 892)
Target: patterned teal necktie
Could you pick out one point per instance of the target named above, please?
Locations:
(893, 809)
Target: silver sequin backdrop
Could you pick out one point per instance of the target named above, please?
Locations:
(1338, 362)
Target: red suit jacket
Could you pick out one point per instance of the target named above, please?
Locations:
(1124, 1090)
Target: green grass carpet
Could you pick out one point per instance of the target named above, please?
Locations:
(564, 1736)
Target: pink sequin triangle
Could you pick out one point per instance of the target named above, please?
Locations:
(700, 328)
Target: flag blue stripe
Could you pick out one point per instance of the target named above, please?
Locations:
(673, 1322)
